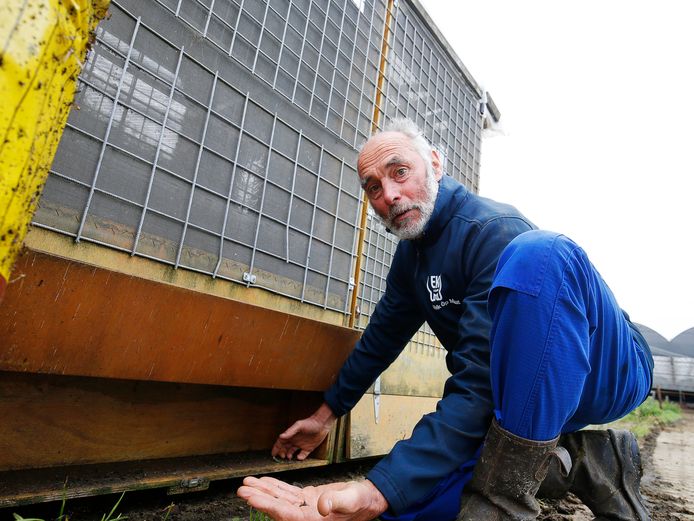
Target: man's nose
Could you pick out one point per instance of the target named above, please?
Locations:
(391, 193)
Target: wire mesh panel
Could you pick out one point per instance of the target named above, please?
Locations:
(321, 55)
(422, 83)
(169, 155)
(220, 136)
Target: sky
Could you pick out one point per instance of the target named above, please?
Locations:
(597, 133)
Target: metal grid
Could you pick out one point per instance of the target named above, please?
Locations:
(179, 163)
(323, 56)
(422, 83)
(176, 164)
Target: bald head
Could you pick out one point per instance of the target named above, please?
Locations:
(400, 180)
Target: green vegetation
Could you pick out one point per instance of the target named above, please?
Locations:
(647, 416)
(64, 517)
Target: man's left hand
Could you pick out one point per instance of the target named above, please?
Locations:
(346, 501)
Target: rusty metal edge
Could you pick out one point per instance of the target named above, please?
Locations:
(57, 490)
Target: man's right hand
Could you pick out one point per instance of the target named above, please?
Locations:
(304, 435)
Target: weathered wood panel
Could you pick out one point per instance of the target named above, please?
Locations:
(50, 420)
(65, 317)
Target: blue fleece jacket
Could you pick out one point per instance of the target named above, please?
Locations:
(442, 278)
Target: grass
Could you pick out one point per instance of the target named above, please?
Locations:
(648, 415)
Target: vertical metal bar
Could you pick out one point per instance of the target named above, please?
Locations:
(260, 37)
(374, 126)
(107, 133)
(320, 55)
(439, 115)
(353, 287)
(262, 199)
(337, 55)
(381, 275)
(364, 300)
(282, 43)
(231, 186)
(291, 194)
(209, 16)
(424, 91)
(156, 154)
(373, 273)
(236, 28)
(363, 78)
(389, 65)
(408, 71)
(414, 47)
(456, 126)
(313, 221)
(301, 54)
(332, 240)
(178, 8)
(197, 169)
(349, 76)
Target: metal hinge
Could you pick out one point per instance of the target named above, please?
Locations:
(248, 277)
(189, 485)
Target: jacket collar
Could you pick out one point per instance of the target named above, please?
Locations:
(450, 197)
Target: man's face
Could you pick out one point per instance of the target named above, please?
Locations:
(398, 184)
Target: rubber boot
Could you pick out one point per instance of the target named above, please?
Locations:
(507, 476)
(605, 475)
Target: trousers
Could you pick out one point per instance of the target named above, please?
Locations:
(563, 355)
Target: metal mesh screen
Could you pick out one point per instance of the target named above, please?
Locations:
(169, 155)
(220, 136)
(322, 56)
(422, 83)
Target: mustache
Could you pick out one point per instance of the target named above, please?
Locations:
(398, 209)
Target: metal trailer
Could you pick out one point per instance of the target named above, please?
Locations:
(673, 374)
(201, 260)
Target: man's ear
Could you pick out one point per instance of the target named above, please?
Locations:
(436, 163)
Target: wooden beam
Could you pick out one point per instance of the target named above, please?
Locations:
(50, 420)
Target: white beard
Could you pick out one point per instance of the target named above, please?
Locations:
(413, 228)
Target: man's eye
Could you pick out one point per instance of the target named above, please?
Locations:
(400, 172)
(373, 189)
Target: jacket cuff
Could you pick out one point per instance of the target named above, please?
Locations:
(330, 397)
(397, 503)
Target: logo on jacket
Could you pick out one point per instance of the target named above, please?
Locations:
(434, 287)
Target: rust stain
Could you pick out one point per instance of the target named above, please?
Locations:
(79, 320)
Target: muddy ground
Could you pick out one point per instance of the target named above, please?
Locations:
(668, 487)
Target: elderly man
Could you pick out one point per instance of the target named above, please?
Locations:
(536, 345)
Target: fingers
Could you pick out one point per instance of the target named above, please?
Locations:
(284, 446)
(272, 487)
(291, 431)
(275, 508)
(303, 454)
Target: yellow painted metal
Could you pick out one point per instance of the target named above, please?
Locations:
(374, 126)
(397, 417)
(44, 44)
(55, 244)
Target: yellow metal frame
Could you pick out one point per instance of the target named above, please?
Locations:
(45, 43)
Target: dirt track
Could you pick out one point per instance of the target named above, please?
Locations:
(669, 480)
(668, 486)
